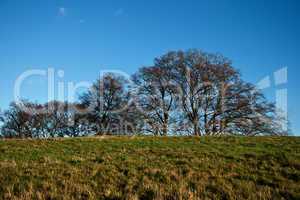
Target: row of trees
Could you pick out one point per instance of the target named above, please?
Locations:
(184, 92)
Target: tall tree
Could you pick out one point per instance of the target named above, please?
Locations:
(215, 100)
(105, 100)
(156, 95)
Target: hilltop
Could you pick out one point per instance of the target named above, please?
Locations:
(151, 168)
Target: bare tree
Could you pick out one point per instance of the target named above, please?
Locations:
(56, 118)
(18, 120)
(156, 95)
(246, 111)
(105, 100)
(215, 100)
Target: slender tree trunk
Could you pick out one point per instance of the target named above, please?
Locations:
(206, 126)
(165, 124)
(214, 129)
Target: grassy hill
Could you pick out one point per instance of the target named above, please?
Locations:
(151, 168)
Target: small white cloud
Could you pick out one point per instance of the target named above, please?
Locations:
(119, 12)
(62, 11)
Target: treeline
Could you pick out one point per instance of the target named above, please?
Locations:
(183, 93)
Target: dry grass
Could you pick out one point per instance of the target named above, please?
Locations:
(151, 168)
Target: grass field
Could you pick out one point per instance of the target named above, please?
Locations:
(151, 168)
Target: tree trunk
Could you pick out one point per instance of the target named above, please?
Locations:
(206, 126)
(196, 128)
(165, 124)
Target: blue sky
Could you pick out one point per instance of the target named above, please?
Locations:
(84, 37)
